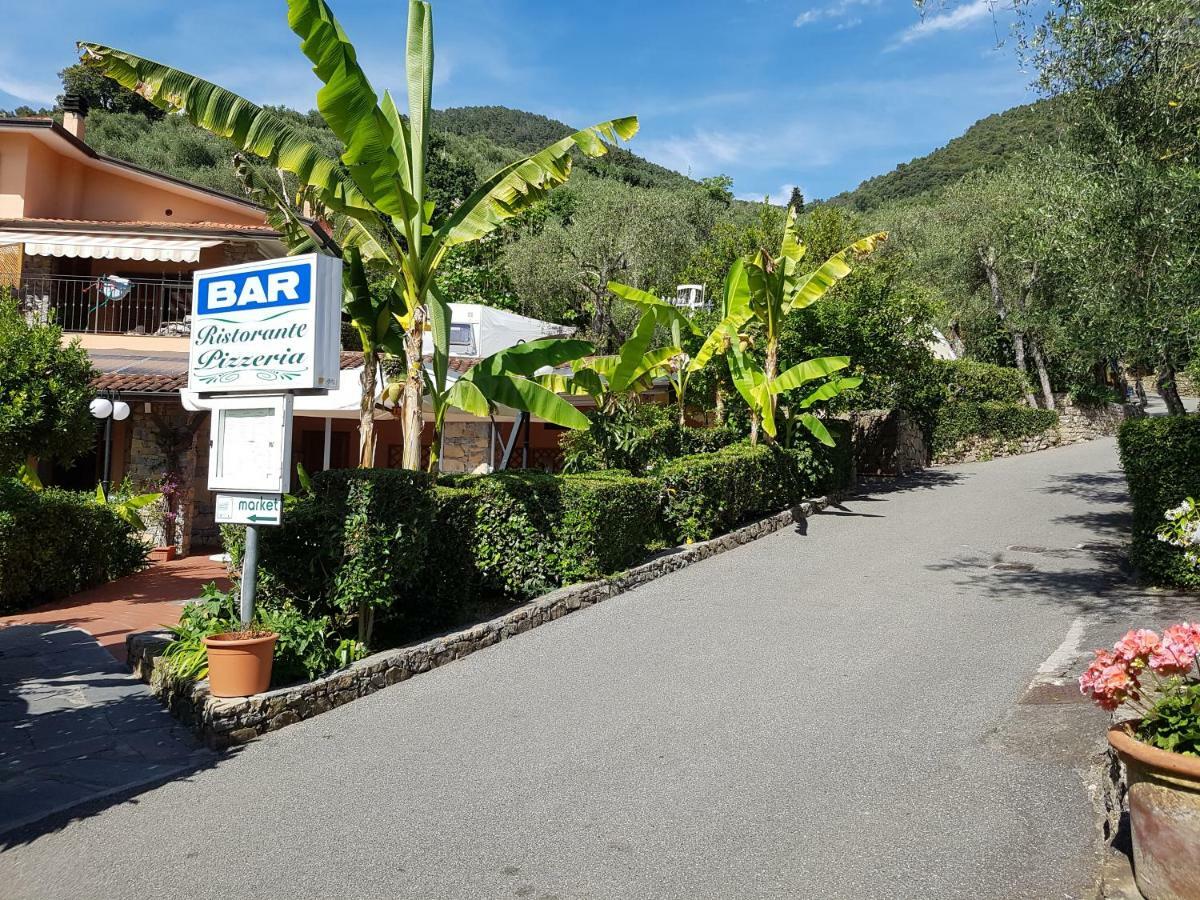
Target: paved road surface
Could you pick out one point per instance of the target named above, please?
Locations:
(830, 712)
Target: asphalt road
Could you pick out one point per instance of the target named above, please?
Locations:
(834, 711)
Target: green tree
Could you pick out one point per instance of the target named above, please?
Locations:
(380, 183)
(44, 392)
(99, 93)
(561, 266)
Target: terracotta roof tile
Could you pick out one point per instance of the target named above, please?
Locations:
(256, 230)
(134, 383)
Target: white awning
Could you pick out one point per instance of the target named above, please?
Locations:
(109, 246)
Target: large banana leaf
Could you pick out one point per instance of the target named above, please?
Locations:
(812, 287)
(666, 314)
(508, 379)
(829, 390)
(419, 69)
(736, 313)
(250, 127)
(350, 107)
(808, 371)
(516, 187)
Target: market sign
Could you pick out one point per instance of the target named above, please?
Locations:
(268, 326)
(248, 509)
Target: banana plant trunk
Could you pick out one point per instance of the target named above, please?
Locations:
(769, 370)
(366, 410)
(412, 417)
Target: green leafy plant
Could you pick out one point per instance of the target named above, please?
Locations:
(307, 647)
(763, 289)
(125, 506)
(379, 183)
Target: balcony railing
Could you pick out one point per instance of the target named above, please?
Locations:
(105, 305)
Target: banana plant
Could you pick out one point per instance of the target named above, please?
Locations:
(127, 509)
(380, 179)
(764, 289)
(507, 378)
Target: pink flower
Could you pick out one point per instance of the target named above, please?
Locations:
(1177, 651)
(1108, 680)
(1137, 645)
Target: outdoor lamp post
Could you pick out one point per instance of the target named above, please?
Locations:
(108, 407)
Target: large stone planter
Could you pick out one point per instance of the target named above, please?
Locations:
(1164, 812)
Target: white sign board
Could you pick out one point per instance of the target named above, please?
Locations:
(249, 509)
(266, 326)
(250, 445)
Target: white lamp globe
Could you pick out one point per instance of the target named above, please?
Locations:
(101, 408)
(120, 410)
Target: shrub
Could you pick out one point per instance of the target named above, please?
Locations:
(956, 422)
(1161, 458)
(55, 542)
(529, 532)
(710, 493)
(358, 538)
(637, 438)
(971, 381)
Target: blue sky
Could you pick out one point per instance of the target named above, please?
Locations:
(775, 93)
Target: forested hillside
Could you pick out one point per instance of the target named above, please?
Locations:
(987, 145)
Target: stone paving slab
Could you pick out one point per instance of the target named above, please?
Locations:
(76, 727)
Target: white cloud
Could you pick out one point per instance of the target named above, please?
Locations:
(35, 93)
(956, 19)
(839, 9)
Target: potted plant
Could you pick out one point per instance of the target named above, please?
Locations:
(239, 662)
(167, 516)
(209, 641)
(1157, 677)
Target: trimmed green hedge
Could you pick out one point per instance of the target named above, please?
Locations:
(360, 536)
(970, 381)
(1161, 458)
(956, 422)
(55, 542)
(711, 493)
(420, 551)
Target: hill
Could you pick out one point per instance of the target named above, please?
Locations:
(986, 144)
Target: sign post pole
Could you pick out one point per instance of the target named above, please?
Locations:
(249, 575)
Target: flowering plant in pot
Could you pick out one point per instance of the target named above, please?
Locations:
(1156, 677)
(166, 516)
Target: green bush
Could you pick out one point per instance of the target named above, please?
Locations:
(970, 381)
(55, 542)
(1161, 458)
(637, 438)
(710, 493)
(529, 532)
(359, 537)
(956, 422)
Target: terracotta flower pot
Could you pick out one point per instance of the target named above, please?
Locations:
(1164, 811)
(237, 666)
(162, 554)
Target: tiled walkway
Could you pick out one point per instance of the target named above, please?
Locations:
(76, 727)
(145, 601)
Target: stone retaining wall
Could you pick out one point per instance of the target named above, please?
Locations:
(1075, 424)
(221, 723)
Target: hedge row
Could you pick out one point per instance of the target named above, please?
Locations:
(958, 421)
(970, 381)
(421, 551)
(55, 542)
(1161, 458)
